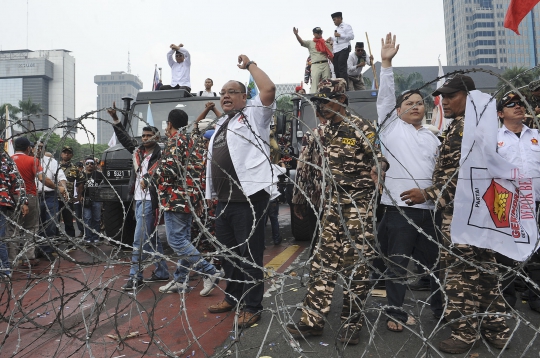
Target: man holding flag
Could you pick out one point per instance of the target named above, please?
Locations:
(469, 269)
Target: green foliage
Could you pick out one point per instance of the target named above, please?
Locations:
(367, 82)
(13, 111)
(520, 77)
(29, 108)
(284, 104)
(54, 144)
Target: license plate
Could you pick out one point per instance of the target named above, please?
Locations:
(115, 174)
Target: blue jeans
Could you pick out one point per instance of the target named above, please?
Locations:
(4, 258)
(48, 208)
(244, 261)
(77, 207)
(178, 227)
(146, 237)
(403, 238)
(273, 212)
(92, 220)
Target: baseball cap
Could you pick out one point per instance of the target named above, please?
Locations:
(455, 84)
(67, 148)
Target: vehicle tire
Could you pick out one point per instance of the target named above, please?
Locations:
(116, 228)
(303, 229)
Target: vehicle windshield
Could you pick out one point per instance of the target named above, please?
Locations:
(366, 110)
(160, 111)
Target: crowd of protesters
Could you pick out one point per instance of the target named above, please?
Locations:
(217, 178)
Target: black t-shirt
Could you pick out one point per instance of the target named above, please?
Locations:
(92, 180)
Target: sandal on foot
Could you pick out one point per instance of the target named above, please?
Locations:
(398, 326)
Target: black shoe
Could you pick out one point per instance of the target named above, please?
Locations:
(303, 329)
(350, 336)
(278, 241)
(132, 284)
(420, 285)
(154, 278)
(525, 295)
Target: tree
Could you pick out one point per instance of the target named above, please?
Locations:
(284, 104)
(13, 111)
(367, 82)
(520, 77)
(28, 109)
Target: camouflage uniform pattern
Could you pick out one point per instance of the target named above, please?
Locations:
(347, 225)
(11, 183)
(72, 174)
(178, 176)
(469, 290)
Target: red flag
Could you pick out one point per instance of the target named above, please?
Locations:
(517, 10)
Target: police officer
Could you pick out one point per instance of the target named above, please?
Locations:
(72, 174)
(469, 290)
(350, 168)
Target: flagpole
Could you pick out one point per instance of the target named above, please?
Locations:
(372, 64)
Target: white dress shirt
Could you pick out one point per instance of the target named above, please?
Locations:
(352, 61)
(180, 71)
(411, 152)
(522, 151)
(346, 34)
(248, 139)
(50, 169)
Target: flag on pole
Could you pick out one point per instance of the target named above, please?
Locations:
(438, 119)
(252, 90)
(517, 10)
(149, 117)
(494, 206)
(8, 143)
(156, 80)
(112, 141)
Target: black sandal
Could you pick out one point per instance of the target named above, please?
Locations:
(397, 323)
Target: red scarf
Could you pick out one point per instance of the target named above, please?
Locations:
(320, 45)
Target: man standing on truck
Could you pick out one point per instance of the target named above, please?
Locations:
(180, 69)
(239, 175)
(177, 179)
(320, 51)
(341, 45)
(356, 62)
(146, 158)
(352, 165)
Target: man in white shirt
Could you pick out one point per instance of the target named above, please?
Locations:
(411, 149)
(356, 62)
(342, 35)
(180, 68)
(239, 174)
(520, 145)
(48, 200)
(208, 83)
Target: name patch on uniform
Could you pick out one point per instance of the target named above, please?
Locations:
(349, 141)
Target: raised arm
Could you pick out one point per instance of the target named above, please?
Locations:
(386, 99)
(267, 88)
(295, 32)
(123, 137)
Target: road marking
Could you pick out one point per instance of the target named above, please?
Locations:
(280, 259)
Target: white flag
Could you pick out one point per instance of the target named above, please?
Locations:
(8, 144)
(494, 207)
(438, 119)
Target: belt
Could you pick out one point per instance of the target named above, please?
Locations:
(314, 63)
(47, 193)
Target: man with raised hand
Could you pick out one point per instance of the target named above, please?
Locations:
(239, 175)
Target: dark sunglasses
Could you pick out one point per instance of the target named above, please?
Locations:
(89, 163)
(513, 104)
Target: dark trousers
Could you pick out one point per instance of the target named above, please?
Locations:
(243, 257)
(403, 239)
(65, 211)
(78, 213)
(168, 87)
(340, 64)
(48, 209)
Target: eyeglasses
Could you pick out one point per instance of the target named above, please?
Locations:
(513, 104)
(231, 92)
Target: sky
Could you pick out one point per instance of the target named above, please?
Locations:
(100, 33)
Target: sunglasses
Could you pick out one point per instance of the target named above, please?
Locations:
(89, 163)
(513, 104)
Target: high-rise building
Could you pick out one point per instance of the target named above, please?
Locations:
(475, 35)
(111, 88)
(47, 77)
(286, 88)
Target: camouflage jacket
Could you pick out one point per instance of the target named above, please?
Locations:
(349, 154)
(178, 176)
(447, 166)
(11, 183)
(72, 174)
